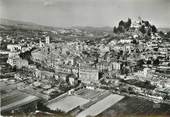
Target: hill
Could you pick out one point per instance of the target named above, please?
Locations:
(8, 24)
(164, 29)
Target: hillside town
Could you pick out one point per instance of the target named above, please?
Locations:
(74, 72)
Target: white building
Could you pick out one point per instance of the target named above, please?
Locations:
(125, 41)
(17, 61)
(115, 65)
(38, 56)
(88, 75)
(167, 84)
(13, 47)
(12, 59)
(41, 44)
(47, 40)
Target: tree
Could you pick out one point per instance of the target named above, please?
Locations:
(156, 62)
(154, 29)
(126, 71)
(128, 24)
(68, 53)
(149, 32)
(166, 97)
(168, 34)
(142, 29)
(147, 23)
(102, 81)
(147, 85)
(161, 33)
(134, 41)
(115, 29)
(121, 23)
(148, 62)
(140, 63)
(120, 29)
(147, 82)
(130, 90)
(169, 64)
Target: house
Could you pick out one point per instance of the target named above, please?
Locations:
(125, 41)
(71, 79)
(15, 60)
(115, 65)
(38, 56)
(88, 75)
(22, 63)
(13, 47)
(167, 84)
(47, 40)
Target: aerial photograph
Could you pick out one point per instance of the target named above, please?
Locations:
(85, 58)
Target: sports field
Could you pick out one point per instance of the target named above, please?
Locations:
(67, 103)
(88, 93)
(133, 106)
(16, 99)
(100, 106)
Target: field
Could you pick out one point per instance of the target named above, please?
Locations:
(88, 94)
(12, 97)
(101, 105)
(15, 99)
(67, 103)
(136, 106)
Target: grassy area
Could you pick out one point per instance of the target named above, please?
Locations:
(133, 106)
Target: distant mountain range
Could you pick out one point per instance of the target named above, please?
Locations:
(91, 29)
(164, 29)
(23, 25)
(29, 25)
(7, 24)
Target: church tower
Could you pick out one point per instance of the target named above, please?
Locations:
(47, 40)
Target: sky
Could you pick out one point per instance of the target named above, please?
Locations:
(97, 13)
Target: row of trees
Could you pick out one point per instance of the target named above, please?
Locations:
(145, 27)
(123, 26)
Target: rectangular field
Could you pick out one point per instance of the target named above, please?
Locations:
(88, 93)
(67, 103)
(133, 106)
(16, 99)
(100, 106)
